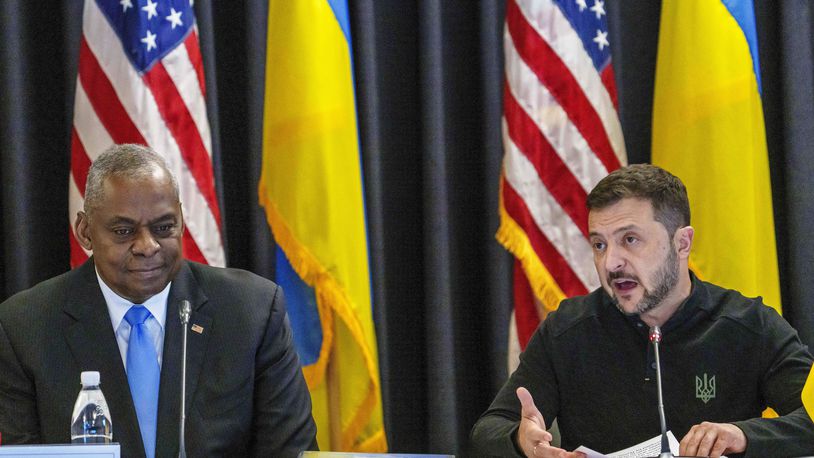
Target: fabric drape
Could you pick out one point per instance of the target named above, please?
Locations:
(428, 79)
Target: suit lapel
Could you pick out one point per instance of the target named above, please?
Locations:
(184, 287)
(93, 343)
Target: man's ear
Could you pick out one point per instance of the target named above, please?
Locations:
(82, 230)
(683, 241)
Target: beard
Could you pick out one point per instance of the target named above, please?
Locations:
(665, 279)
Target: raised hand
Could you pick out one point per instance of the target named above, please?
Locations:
(532, 436)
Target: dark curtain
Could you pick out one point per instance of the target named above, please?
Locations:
(428, 76)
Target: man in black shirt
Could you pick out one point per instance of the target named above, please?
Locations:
(725, 357)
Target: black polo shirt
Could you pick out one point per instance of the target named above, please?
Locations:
(724, 358)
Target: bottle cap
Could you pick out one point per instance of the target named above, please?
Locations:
(90, 378)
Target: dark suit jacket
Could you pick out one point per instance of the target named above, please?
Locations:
(245, 391)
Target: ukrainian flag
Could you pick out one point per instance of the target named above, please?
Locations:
(808, 394)
(708, 130)
(311, 188)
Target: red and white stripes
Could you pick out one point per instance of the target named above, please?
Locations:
(561, 135)
(163, 108)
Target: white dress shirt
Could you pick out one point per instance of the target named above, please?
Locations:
(118, 306)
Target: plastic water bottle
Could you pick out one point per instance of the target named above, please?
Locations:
(91, 418)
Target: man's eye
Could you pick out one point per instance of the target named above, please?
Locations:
(122, 232)
(599, 246)
(164, 228)
(631, 239)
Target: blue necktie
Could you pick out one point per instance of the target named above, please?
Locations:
(143, 375)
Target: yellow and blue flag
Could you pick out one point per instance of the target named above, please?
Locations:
(312, 190)
(808, 394)
(708, 130)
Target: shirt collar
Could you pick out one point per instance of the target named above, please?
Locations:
(687, 308)
(118, 306)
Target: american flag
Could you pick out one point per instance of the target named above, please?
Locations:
(141, 81)
(561, 135)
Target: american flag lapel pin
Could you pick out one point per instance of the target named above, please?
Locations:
(197, 328)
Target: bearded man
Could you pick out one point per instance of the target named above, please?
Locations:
(591, 367)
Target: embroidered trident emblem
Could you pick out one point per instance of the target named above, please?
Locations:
(705, 388)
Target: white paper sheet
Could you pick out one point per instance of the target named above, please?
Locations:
(648, 448)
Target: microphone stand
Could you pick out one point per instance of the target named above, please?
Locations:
(184, 313)
(655, 337)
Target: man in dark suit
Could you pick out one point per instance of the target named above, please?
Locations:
(245, 394)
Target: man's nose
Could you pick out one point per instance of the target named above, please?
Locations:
(145, 244)
(614, 259)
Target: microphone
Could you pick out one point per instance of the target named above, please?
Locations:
(184, 311)
(655, 338)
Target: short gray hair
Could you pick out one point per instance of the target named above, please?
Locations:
(127, 161)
